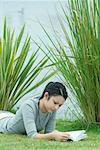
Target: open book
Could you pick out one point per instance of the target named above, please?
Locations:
(77, 135)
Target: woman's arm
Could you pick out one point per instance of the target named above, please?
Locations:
(28, 115)
(55, 135)
(47, 136)
(50, 126)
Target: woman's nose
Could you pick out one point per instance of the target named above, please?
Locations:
(56, 107)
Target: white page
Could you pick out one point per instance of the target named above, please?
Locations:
(77, 135)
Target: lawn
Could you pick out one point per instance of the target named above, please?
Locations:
(20, 142)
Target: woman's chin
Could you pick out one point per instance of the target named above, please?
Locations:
(51, 110)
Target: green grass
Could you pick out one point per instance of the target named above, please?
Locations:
(20, 142)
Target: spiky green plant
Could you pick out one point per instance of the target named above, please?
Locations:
(77, 54)
(17, 74)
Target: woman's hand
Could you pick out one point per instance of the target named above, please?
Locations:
(60, 136)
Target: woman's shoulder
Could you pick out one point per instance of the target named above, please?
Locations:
(30, 102)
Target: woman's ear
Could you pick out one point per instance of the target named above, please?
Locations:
(46, 95)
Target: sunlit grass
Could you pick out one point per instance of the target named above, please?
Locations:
(20, 142)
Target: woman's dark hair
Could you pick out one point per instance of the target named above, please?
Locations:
(55, 89)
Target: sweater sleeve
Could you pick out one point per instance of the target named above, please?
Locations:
(29, 115)
(50, 124)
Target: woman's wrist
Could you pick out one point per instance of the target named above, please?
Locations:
(49, 136)
(52, 136)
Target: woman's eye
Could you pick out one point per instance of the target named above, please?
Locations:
(55, 103)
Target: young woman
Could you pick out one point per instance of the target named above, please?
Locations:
(35, 115)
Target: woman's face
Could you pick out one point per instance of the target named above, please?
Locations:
(53, 103)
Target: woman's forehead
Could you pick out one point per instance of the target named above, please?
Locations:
(58, 99)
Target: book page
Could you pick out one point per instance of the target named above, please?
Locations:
(77, 135)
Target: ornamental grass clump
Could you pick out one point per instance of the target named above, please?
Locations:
(76, 54)
(18, 70)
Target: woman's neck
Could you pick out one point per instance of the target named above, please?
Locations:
(41, 105)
